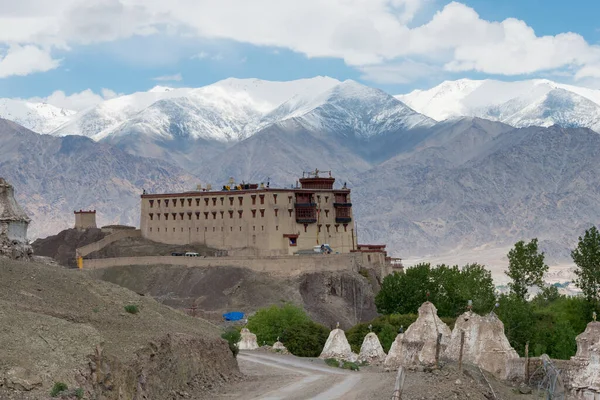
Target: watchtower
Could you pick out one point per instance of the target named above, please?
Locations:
(85, 219)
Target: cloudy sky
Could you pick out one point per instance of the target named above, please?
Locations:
(73, 53)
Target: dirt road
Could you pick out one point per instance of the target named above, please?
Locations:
(275, 377)
(270, 376)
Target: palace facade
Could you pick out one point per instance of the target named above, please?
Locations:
(262, 220)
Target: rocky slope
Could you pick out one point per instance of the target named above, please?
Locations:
(53, 176)
(328, 297)
(60, 326)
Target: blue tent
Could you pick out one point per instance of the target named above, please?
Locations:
(233, 316)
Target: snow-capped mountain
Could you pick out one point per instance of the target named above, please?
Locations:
(523, 103)
(39, 117)
(351, 108)
(222, 109)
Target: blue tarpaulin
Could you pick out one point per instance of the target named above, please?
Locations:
(233, 316)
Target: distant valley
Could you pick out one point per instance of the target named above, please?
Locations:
(425, 185)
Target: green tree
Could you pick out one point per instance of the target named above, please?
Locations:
(449, 288)
(517, 316)
(269, 323)
(587, 258)
(526, 267)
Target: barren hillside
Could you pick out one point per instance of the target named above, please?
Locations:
(58, 325)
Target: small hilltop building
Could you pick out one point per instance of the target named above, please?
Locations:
(257, 219)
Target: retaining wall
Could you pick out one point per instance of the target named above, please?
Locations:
(285, 265)
(100, 244)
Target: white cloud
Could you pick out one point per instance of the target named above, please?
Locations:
(401, 72)
(168, 78)
(25, 60)
(364, 33)
(76, 101)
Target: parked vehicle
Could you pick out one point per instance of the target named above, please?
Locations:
(177, 254)
(191, 254)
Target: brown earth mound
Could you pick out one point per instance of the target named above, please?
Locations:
(62, 246)
(329, 297)
(140, 247)
(58, 325)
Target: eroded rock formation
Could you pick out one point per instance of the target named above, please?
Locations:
(418, 344)
(13, 225)
(585, 374)
(371, 350)
(279, 347)
(248, 340)
(337, 347)
(393, 358)
(485, 343)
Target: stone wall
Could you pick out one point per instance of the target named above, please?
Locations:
(283, 265)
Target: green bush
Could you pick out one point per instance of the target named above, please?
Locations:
(269, 323)
(58, 388)
(232, 336)
(350, 365)
(364, 272)
(132, 309)
(332, 362)
(306, 339)
(79, 393)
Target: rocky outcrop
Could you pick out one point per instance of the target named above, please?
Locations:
(418, 344)
(337, 347)
(394, 356)
(13, 225)
(279, 347)
(585, 372)
(371, 350)
(248, 340)
(485, 343)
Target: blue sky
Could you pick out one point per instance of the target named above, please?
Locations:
(98, 55)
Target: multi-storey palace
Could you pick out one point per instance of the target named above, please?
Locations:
(266, 220)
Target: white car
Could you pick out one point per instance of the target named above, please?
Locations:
(191, 254)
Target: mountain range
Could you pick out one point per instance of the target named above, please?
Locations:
(454, 168)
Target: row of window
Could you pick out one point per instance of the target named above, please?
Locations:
(341, 212)
(262, 228)
(300, 198)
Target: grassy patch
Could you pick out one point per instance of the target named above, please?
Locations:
(58, 388)
(132, 309)
(350, 365)
(79, 393)
(332, 362)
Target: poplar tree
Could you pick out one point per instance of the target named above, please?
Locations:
(587, 258)
(526, 267)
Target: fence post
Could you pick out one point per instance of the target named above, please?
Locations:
(399, 385)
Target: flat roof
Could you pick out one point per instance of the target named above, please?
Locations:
(241, 191)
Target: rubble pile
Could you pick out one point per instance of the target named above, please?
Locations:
(248, 340)
(337, 347)
(371, 350)
(585, 374)
(485, 343)
(418, 343)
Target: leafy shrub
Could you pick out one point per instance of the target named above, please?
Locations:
(79, 393)
(364, 272)
(350, 365)
(301, 336)
(132, 309)
(58, 388)
(232, 336)
(269, 323)
(306, 339)
(332, 362)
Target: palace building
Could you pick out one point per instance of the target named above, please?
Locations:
(258, 219)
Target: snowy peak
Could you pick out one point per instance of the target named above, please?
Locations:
(520, 103)
(349, 107)
(38, 117)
